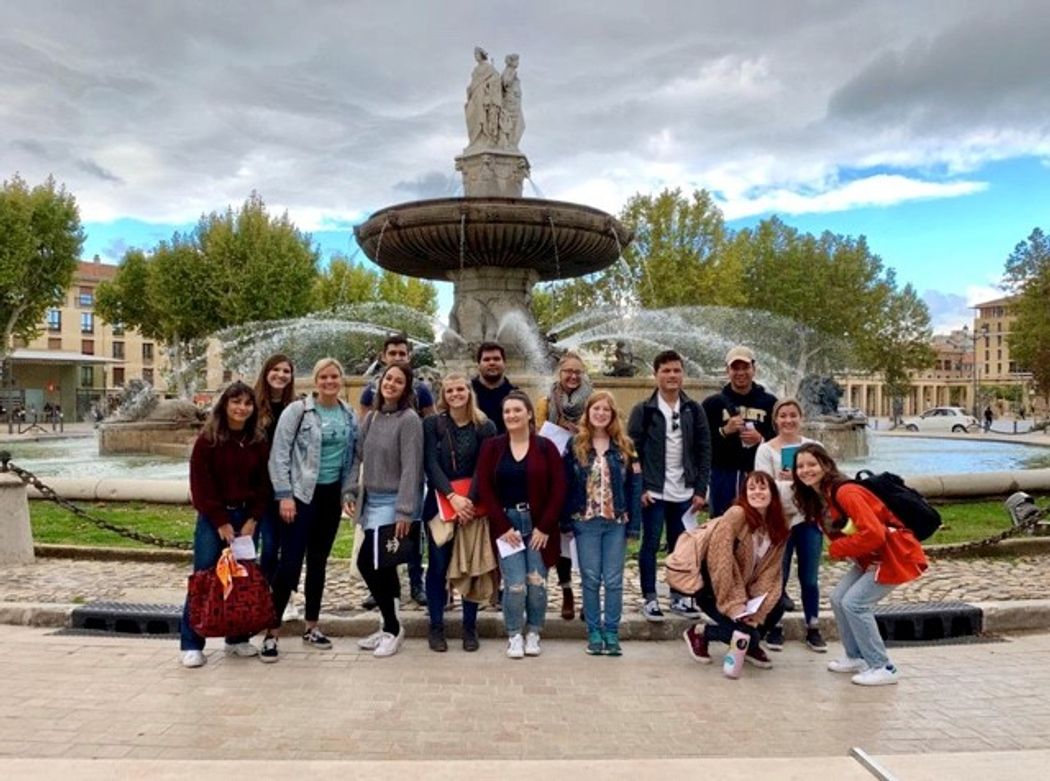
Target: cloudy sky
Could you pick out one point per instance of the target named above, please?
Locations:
(924, 125)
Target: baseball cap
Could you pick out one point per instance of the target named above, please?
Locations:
(739, 353)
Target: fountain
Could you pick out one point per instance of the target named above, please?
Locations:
(145, 423)
(493, 244)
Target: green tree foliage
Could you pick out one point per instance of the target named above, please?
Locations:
(40, 242)
(235, 267)
(897, 341)
(1028, 278)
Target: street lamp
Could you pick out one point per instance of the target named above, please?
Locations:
(976, 335)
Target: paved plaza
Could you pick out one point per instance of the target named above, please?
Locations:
(73, 697)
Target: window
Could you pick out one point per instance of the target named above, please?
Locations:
(87, 346)
(86, 297)
(987, 368)
(999, 340)
(54, 343)
(998, 368)
(118, 376)
(147, 375)
(118, 329)
(87, 323)
(118, 350)
(87, 376)
(227, 375)
(54, 319)
(147, 351)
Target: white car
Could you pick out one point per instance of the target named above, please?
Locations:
(954, 419)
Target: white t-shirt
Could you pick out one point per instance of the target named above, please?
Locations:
(767, 459)
(675, 489)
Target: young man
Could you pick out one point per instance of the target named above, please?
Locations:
(397, 349)
(740, 416)
(674, 447)
(491, 385)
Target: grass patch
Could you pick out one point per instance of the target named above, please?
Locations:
(965, 521)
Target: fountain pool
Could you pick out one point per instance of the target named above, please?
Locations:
(904, 455)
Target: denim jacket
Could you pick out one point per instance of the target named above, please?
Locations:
(295, 457)
(626, 488)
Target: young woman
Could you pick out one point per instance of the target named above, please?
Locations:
(274, 390)
(230, 492)
(743, 562)
(521, 483)
(605, 505)
(452, 440)
(563, 406)
(310, 470)
(390, 454)
(883, 552)
(805, 539)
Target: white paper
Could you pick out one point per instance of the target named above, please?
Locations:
(243, 548)
(568, 550)
(689, 519)
(507, 549)
(751, 607)
(556, 434)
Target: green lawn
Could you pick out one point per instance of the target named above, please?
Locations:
(53, 524)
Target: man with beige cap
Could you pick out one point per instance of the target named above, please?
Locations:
(739, 417)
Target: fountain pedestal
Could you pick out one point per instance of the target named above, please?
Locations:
(493, 173)
(490, 303)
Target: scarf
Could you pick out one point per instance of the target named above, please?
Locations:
(568, 406)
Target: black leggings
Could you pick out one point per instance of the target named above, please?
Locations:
(310, 536)
(564, 568)
(383, 583)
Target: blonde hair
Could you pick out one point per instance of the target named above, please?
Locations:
(789, 402)
(476, 416)
(583, 441)
(324, 363)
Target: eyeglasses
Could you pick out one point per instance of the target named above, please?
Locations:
(572, 372)
(675, 425)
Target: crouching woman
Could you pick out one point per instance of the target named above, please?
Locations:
(742, 562)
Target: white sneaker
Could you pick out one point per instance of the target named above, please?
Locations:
(877, 676)
(516, 647)
(241, 649)
(389, 644)
(193, 658)
(371, 642)
(532, 644)
(291, 613)
(847, 664)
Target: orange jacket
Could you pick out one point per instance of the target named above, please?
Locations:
(872, 535)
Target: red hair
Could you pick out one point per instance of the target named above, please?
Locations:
(774, 523)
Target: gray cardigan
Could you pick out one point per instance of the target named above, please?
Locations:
(390, 455)
(295, 457)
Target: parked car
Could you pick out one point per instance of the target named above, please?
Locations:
(954, 419)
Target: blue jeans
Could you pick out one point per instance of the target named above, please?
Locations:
(524, 581)
(654, 518)
(437, 593)
(807, 540)
(724, 488)
(207, 547)
(853, 601)
(601, 546)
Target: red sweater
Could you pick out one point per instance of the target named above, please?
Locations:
(229, 475)
(545, 473)
(874, 536)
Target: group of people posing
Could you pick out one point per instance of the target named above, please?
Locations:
(497, 505)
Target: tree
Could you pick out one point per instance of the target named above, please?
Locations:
(898, 342)
(40, 242)
(236, 267)
(1028, 278)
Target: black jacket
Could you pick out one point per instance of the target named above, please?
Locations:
(648, 428)
(755, 406)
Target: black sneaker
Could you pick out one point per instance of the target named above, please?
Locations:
(815, 641)
(470, 640)
(652, 612)
(316, 639)
(268, 653)
(775, 639)
(436, 639)
(684, 607)
(756, 656)
(419, 596)
(369, 603)
(789, 604)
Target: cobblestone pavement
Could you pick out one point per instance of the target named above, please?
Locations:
(74, 696)
(65, 581)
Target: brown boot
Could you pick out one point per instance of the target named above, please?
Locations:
(568, 608)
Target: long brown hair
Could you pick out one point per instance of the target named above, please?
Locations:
(263, 402)
(408, 395)
(811, 501)
(584, 439)
(773, 523)
(217, 429)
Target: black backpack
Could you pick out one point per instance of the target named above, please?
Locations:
(907, 505)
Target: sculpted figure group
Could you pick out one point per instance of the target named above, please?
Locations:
(493, 108)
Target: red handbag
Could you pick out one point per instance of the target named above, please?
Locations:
(242, 605)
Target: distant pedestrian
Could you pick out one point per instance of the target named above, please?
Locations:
(988, 416)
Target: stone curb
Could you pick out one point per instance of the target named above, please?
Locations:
(998, 617)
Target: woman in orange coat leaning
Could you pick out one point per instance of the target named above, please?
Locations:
(884, 555)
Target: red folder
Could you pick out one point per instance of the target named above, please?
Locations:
(460, 487)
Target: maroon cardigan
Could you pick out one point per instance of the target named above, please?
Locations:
(546, 475)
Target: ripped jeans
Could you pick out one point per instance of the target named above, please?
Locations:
(524, 582)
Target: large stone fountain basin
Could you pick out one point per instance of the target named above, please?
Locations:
(437, 238)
